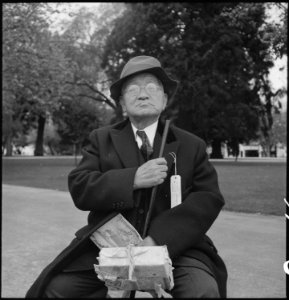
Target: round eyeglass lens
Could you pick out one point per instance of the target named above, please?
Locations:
(134, 90)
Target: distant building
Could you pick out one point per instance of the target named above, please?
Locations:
(254, 149)
(281, 150)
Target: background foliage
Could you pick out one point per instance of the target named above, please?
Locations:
(221, 53)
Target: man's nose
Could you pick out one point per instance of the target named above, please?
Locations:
(143, 95)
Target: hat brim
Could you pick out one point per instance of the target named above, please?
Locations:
(170, 85)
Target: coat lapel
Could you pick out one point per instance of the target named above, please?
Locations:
(122, 137)
(123, 140)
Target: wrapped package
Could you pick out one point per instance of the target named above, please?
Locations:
(135, 268)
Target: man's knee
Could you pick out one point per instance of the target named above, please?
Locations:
(75, 285)
(58, 287)
(194, 283)
(210, 290)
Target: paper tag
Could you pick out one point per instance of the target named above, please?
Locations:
(176, 190)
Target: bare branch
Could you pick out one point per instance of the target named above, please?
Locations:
(91, 87)
(108, 102)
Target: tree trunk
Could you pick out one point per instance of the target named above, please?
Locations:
(51, 148)
(75, 153)
(235, 148)
(7, 130)
(216, 149)
(8, 144)
(39, 140)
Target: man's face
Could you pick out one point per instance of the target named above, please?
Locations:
(143, 97)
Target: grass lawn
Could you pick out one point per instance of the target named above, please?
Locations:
(256, 187)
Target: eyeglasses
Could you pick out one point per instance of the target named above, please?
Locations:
(132, 91)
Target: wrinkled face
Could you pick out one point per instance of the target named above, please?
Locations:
(143, 97)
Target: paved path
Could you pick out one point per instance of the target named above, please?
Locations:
(37, 224)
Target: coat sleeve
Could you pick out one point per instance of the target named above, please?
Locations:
(92, 189)
(183, 226)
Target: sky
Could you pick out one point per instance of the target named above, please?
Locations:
(277, 75)
(278, 78)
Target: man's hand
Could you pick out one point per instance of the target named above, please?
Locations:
(151, 173)
(148, 241)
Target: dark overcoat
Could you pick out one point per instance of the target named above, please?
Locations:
(102, 183)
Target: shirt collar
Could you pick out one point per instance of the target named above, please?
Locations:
(150, 132)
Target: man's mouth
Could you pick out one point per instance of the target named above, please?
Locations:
(141, 104)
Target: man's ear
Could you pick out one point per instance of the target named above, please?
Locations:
(165, 100)
(122, 103)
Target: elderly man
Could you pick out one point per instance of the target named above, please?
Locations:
(118, 170)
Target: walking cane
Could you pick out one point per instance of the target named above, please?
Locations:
(154, 191)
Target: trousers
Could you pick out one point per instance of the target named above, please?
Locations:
(192, 279)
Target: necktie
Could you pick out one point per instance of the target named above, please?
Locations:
(145, 148)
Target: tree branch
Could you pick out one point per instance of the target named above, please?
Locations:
(98, 100)
(91, 87)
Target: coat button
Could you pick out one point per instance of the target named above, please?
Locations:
(141, 211)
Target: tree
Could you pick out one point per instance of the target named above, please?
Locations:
(276, 35)
(75, 119)
(276, 134)
(277, 32)
(219, 55)
(41, 66)
(83, 41)
(32, 68)
(51, 137)
(279, 133)
(17, 51)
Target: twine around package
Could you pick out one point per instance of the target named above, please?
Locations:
(135, 268)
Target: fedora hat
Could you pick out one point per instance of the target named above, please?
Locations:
(141, 64)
